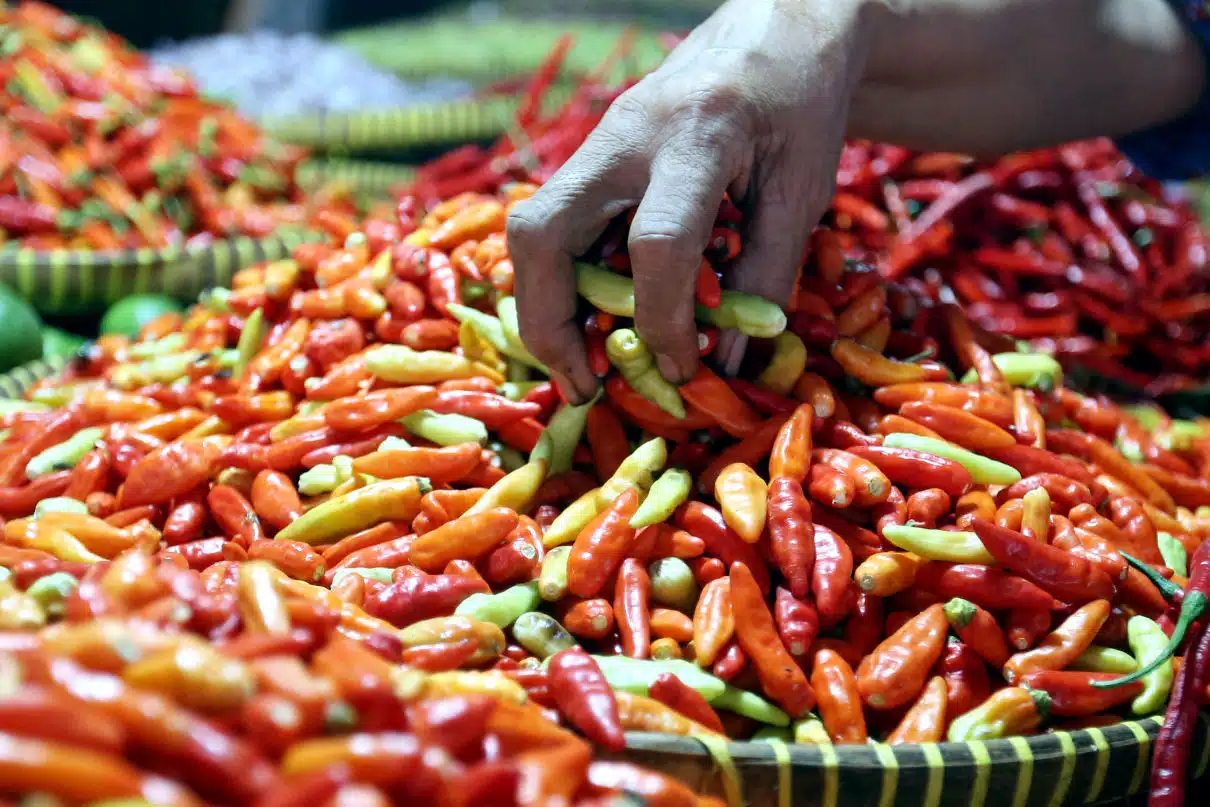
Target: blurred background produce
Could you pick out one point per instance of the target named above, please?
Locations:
(268, 74)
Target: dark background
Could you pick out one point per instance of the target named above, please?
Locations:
(145, 23)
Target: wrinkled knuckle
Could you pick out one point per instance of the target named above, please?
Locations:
(713, 112)
(665, 239)
(527, 227)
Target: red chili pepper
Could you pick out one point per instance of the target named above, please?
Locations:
(1066, 576)
(579, 688)
(676, 694)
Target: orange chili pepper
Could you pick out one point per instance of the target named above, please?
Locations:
(791, 454)
(467, 538)
(781, 677)
(710, 394)
(895, 673)
(630, 608)
(713, 620)
(978, 629)
(839, 701)
(1061, 647)
(958, 426)
(925, 722)
(600, 547)
(441, 465)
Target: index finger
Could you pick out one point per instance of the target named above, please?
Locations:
(545, 233)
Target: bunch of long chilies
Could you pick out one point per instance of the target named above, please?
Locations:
(100, 150)
(331, 532)
(1071, 248)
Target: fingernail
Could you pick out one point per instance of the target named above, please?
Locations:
(669, 369)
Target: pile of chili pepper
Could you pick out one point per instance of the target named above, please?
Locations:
(1071, 249)
(294, 516)
(101, 150)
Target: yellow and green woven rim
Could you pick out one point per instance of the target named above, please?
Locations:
(68, 281)
(363, 176)
(1057, 769)
(407, 127)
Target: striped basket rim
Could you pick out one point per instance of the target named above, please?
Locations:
(1086, 766)
(365, 176)
(404, 127)
(70, 280)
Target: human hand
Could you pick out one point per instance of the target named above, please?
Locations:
(754, 103)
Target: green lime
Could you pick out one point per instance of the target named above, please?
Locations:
(20, 331)
(130, 314)
(56, 343)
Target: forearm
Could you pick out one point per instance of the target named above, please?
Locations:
(989, 76)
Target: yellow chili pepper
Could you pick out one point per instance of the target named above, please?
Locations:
(45, 535)
(948, 545)
(575, 517)
(465, 682)
(18, 610)
(260, 602)
(810, 731)
(1010, 712)
(1035, 515)
(741, 495)
(637, 471)
(641, 713)
(389, 500)
(400, 364)
(634, 361)
(515, 490)
(196, 675)
(787, 364)
(350, 615)
(447, 629)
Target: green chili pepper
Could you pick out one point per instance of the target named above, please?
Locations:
(636, 675)
(5, 574)
(541, 634)
(1192, 607)
(13, 406)
(565, 429)
(65, 455)
(516, 372)
(1025, 370)
(1170, 590)
(746, 313)
(250, 340)
(52, 590)
(506, 310)
(552, 580)
(634, 361)
(171, 343)
(516, 390)
(510, 458)
(501, 609)
(215, 299)
(984, 471)
(673, 584)
(750, 705)
(543, 450)
(393, 443)
(667, 493)
(379, 573)
(1147, 642)
(492, 329)
(34, 87)
(60, 504)
(810, 730)
(445, 430)
(1174, 554)
(953, 546)
(1106, 660)
(770, 733)
(607, 291)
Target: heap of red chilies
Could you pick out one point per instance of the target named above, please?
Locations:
(1070, 248)
(100, 150)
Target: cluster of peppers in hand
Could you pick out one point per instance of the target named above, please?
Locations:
(327, 514)
(100, 150)
(1070, 249)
